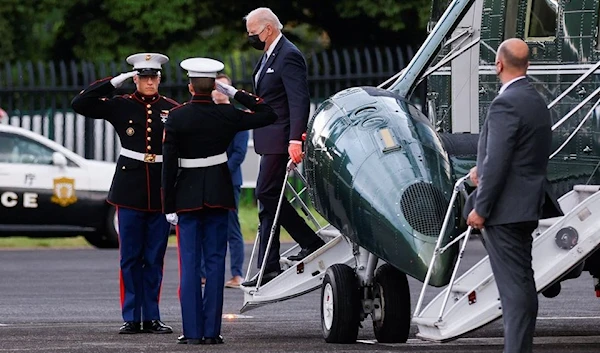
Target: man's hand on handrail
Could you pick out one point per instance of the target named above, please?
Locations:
(473, 176)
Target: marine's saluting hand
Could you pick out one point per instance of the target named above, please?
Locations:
(117, 81)
(226, 89)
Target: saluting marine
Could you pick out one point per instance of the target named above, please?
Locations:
(138, 119)
(198, 191)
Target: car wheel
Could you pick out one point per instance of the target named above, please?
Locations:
(109, 237)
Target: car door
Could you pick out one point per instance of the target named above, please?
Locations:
(35, 192)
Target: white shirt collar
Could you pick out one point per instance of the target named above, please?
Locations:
(273, 45)
(505, 86)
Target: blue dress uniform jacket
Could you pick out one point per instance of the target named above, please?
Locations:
(135, 191)
(139, 122)
(202, 197)
(200, 129)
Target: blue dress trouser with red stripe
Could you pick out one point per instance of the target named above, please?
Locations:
(202, 232)
(143, 240)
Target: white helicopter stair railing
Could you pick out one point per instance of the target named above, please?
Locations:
(298, 277)
(472, 300)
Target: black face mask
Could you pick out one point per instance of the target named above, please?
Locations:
(255, 42)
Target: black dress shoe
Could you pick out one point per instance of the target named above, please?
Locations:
(156, 326)
(214, 340)
(267, 277)
(184, 340)
(305, 252)
(130, 327)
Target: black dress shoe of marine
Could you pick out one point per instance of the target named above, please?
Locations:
(184, 340)
(305, 252)
(156, 326)
(214, 340)
(130, 327)
(265, 279)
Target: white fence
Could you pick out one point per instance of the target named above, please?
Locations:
(69, 130)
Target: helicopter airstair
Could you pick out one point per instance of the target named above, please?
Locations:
(472, 300)
(298, 277)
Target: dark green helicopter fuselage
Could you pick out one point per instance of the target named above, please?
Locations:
(379, 173)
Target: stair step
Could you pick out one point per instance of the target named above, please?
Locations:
(586, 188)
(549, 222)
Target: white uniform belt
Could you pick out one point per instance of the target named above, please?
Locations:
(203, 162)
(143, 157)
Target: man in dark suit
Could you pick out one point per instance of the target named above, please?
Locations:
(138, 119)
(512, 157)
(280, 79)
(198, 192)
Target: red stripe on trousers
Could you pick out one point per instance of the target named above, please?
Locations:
(121, 284)
(179, 261)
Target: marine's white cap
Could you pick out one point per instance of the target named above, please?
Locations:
(202, 67)
(147, 63)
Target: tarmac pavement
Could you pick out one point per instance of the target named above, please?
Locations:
(68, 301)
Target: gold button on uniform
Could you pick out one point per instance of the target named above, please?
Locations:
(149, 120)
(123, 167)
(149, 138)
(131, 121)
(148, 106)
(149, 129)
(149, 112)
(148, 148)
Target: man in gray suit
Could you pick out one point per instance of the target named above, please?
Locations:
(512, 157)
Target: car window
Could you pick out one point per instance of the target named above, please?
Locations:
(22, 150)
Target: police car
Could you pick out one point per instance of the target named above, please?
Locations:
(47, 190)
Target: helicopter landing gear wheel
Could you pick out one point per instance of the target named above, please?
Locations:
(340, 305)
(391, 314)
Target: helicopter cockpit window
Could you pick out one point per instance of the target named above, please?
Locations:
(541, 19)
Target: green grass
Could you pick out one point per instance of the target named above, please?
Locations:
(248, 215)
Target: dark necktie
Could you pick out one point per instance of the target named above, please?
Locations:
(262, 66)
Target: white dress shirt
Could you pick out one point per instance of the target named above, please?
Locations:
(505, 86)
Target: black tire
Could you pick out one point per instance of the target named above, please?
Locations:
(391, 287)
(340, 293)
(108, 238)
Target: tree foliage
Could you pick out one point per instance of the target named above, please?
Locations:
(96, 30)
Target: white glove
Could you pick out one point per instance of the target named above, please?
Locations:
(172, 218)
(226, 89)
(118, 80)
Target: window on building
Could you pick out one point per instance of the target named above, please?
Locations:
(541, 19)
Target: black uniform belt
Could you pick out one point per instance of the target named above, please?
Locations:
(144, 157)
(203, 162)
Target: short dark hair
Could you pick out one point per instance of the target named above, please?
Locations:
(519, 63)
(222, 75)
(203, 84)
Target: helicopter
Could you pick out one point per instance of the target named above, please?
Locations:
(391, 179)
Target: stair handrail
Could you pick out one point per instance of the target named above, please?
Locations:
(291, 167)
(576, 109)
(458, 187)
(585, 118)
(590, 71)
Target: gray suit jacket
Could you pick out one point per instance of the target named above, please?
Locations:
(512, 157)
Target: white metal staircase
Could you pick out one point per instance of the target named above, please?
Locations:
(559, 244)
(298, 277)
